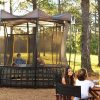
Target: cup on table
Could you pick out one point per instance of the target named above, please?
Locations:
(96, 82)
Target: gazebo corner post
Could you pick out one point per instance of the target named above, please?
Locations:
(34, 62)
(28, 44)
(5, 46)
(11, 46)
(70, 44)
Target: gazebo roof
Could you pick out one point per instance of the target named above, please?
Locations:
(11, 20)
(6, 16)
(64, 17)
(37, 14)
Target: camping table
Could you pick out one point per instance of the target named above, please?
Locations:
(95, 92)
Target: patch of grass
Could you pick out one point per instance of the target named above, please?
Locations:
(94, 62)
(75, 62)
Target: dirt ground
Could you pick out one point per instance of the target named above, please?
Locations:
(26, 94)
(30, 94)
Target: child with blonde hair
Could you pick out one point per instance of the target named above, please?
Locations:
(84, 83)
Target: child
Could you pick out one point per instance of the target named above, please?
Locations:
(84, 83)
(19, 60)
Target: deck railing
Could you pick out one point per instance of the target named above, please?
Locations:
(39, 77)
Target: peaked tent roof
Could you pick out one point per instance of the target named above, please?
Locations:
(6, 15)
(65, 16)
(37, 14)
(9, 19)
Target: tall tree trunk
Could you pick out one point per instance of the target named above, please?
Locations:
(59, 6)
(63, 44)
(35, 31)
(10, 43)
(95, 18)
(59, 11)
(99, 33)
(85, 53)
(62, 54)
(34, 4)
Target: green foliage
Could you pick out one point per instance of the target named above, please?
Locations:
(94, 44)
(94, 62)
(73, 45)
(2, 2)
(47, 5)
(23, 5)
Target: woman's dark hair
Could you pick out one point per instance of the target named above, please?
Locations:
(82, 74)
(69, 80)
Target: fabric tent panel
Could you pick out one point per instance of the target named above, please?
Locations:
(9, 19)
(65, 16)
(6, 15)
(37, 14)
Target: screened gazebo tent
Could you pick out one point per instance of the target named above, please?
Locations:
(35, 17)
(32, 76)
(8, 19)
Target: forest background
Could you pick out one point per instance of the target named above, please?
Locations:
(77, 29)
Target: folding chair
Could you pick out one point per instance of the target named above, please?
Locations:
(57, 78)
(64, 92)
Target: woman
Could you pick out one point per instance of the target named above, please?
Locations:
(68, 79)
(68, 76)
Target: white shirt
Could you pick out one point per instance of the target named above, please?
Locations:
(85, 85)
